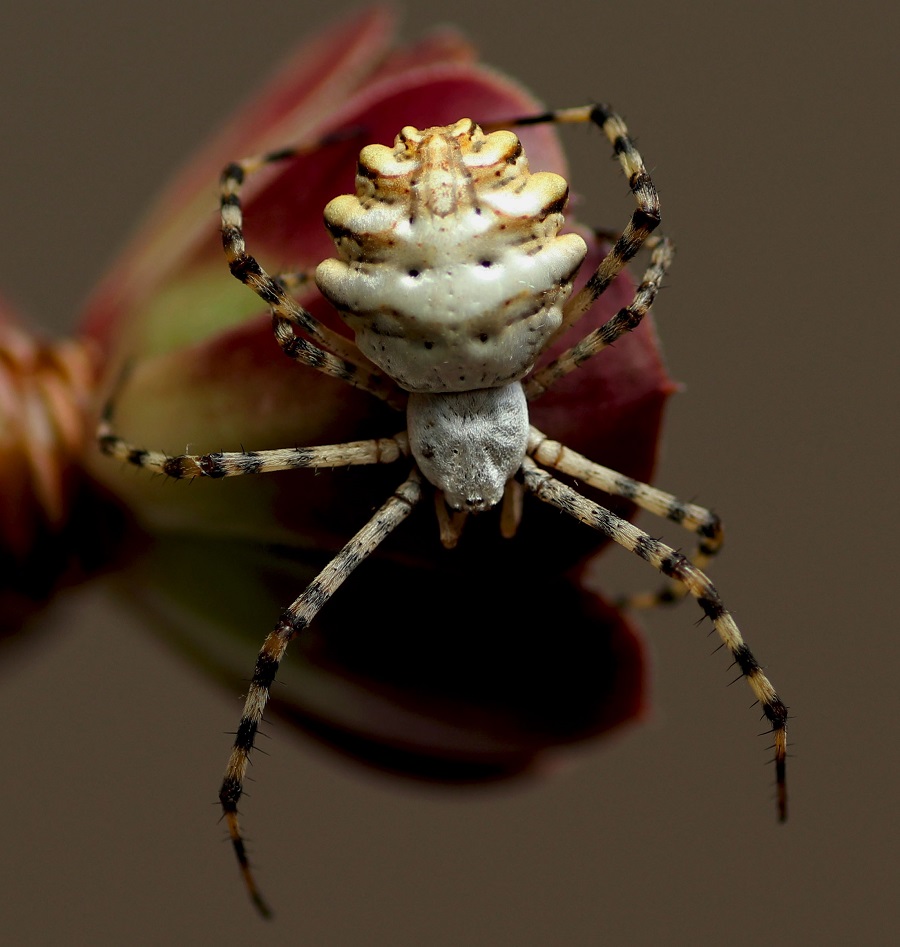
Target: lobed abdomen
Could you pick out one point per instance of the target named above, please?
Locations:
(452, 273)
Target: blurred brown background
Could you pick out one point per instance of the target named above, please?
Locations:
(771, 132)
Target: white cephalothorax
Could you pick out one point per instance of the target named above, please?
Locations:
(469, 444)
(454, 278)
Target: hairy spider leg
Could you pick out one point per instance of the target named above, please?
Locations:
(382, 450)
(678, 567)
(704, 523)
(293, 620)
(625, 320)
(645, 218)
(328, 352)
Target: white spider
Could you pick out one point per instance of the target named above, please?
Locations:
(454, 278)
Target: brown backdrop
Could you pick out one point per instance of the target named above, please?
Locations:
(771, 132)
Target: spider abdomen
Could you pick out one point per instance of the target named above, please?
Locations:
(452, 272)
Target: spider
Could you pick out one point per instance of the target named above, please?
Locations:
(454, 278)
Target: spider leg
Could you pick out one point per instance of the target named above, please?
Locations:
(645, 218)
(625, 320)
(336, 343)
(383, 450)
(678, 567)
(325, 350)
(293, 620)
(704, 523)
